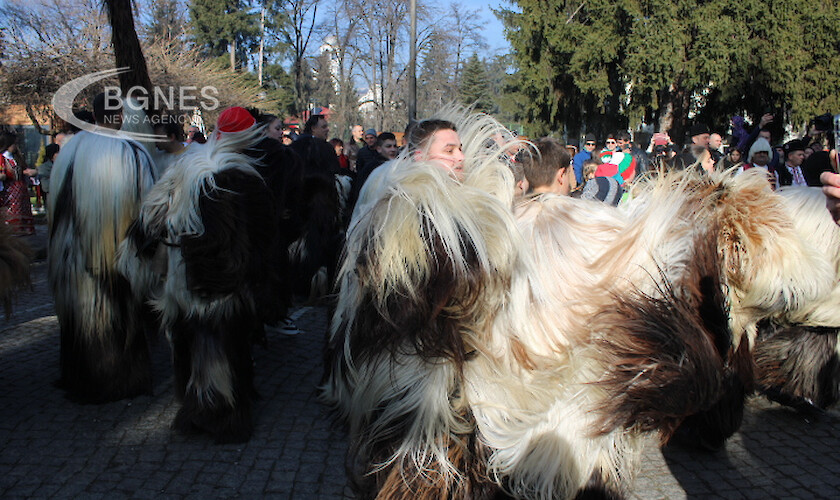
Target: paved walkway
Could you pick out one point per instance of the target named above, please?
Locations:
(50, 447)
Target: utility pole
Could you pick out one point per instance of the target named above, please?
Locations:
(262, 43)
(412, 66)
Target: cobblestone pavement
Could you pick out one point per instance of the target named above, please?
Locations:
(50, 447)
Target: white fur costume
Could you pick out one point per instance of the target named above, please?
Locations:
(97, 184)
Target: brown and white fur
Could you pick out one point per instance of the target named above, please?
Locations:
(197, 253)
(474, 356)
(797, 355)
(98, 183)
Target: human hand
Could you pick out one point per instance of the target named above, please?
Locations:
(765, 119)
(831, 189)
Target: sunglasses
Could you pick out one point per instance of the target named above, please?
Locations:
(590, 143)
(610, 142)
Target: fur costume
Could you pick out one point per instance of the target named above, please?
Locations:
(201, 253)
(474, 355)
(797, 355)
(97, 185)
(767, 270)
(315, 252)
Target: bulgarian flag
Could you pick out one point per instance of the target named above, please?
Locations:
(618, 165)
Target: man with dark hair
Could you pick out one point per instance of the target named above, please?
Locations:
(317, 126)
(589, 144)
(169, 149)
(107, 111)
(548, 169)
(625, 144)
(790, 174)
(385, 149)
(699, 135)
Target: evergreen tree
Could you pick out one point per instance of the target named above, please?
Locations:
(224, 26)
(435, 85)
(165, 20)
(608, 63)
(475, 87)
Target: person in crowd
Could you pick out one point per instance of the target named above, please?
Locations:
(385, 149)
(368, 151)
(45, 169)
(14, 199)
(548, 168)
(699, 135)
(589, 145)
(610, 144)
(273, 126)
(191, 131)
(220, 287)
(343, 161)
(357, 142)
(715, 144)
(625, 144)
(732, 159)
(759, 157)
(705, 163)
(170, 149)
(314, 254)
(791, 174)
(103, 353)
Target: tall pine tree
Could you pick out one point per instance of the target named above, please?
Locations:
(475, 87)
(224, 26)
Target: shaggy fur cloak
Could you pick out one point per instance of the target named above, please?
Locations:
(201, 254)
(475, 355)
(97, 185)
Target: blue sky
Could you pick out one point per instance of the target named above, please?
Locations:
(493, 30)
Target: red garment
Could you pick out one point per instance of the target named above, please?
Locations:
(17, 211)
(343, 161)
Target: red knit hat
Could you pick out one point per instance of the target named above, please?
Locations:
(235, 119)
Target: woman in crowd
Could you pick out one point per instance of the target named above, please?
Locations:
(17, 210)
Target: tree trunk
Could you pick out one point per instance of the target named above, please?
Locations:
(127, 51)
(232, 47)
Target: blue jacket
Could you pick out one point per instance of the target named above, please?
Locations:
(577, 163)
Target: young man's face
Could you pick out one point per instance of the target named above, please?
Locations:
(589, 146)
(569, 181)
(388, 149)
(445, 148)
(370, 140)
(321, 129)
(795, 158)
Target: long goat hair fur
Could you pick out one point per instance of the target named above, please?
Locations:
(768, 269)
(479, 351)
(98, 183)
(797, 355)
(426, 263)
(198, 252)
